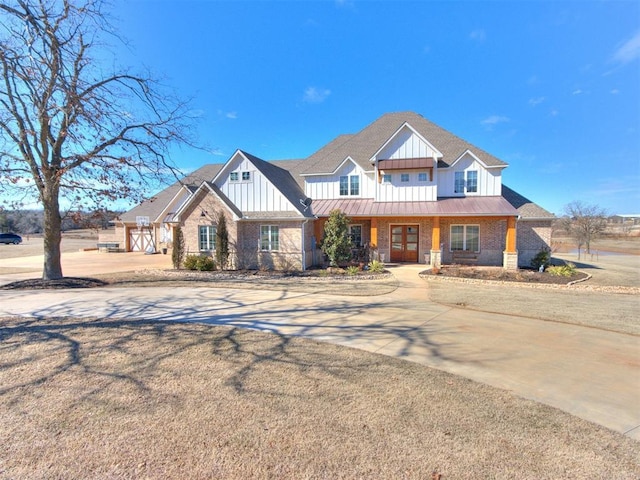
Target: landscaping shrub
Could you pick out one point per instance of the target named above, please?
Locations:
(376, 266)
(542, 259)
(177, 254)
(199, 262)
(352, 270)
(566, 270)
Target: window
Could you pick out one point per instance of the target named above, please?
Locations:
(207, 237)
(354, 184)
(344, 185)
(468, 186)
(465, 238)
(233, 177)
(246, 176)
(422, 177)
(349, 185)
(404, 177)
(355, 235)
(472, 181)
(269, 237)
(386, 178)
(459, 182)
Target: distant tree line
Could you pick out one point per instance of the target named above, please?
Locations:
(31, 222)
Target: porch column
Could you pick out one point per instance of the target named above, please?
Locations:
(510, 255)
(436, 253)
(373, 243)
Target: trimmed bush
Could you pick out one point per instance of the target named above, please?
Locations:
(201, 263)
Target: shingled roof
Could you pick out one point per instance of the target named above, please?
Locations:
(155, 206)
(283, 180)
(362, 146)
(525, 207)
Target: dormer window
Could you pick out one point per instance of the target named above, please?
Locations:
(468, 184)
(349, 185)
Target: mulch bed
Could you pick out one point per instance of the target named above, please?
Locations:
(66, 282)
(501, 275)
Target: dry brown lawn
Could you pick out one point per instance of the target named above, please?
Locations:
(136, 399)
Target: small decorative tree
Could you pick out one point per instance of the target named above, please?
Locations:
(177, 255)
(222, 241)
(336, 243)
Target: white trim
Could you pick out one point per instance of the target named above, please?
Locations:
(210, 191)
(475, 157)
(348, 158)
(390, 139)
(223, 171)
(164, 213)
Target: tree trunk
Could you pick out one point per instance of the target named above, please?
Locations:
(52, 237)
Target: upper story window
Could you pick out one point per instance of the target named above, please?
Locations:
(466, 182)
(349, 185)
(404, 177)
(422, 177)
(386, 178)
(236, 176)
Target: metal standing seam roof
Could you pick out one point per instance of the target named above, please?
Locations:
(446, 207)
(406, 164)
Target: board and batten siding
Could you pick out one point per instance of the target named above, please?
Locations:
(328, 186)
(489, 180)
(406, 144)
(255, 195)
(411, 191)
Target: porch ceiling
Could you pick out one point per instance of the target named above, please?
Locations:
(444, 207)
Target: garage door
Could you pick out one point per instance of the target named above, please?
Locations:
(140, 240)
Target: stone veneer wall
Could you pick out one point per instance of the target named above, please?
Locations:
(532, 236)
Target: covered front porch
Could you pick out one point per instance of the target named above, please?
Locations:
(434, 240)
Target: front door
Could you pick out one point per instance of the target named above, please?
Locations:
(404, 243)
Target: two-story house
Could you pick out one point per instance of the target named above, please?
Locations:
(413, 191)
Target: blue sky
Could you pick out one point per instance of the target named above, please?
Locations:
(552, 88)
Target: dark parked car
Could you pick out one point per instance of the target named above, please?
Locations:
(10, 238)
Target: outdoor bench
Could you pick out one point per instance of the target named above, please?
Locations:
(465, 258)
(110, 247)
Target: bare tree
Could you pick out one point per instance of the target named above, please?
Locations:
(72, 128)
(584, 223)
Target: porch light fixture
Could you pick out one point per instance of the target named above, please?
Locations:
(203, 213)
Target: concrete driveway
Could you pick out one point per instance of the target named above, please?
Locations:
(591, 373)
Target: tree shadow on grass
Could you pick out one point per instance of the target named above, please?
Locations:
(134, 336)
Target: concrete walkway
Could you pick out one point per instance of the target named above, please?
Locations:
(590, 373)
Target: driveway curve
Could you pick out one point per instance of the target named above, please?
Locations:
(590, 373)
